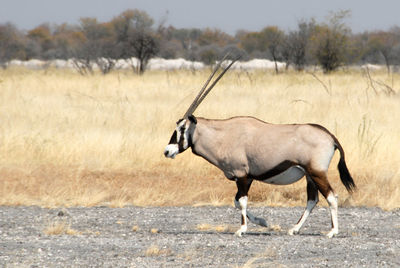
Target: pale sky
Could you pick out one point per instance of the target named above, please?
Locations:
(227, 15)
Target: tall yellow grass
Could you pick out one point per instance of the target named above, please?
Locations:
(69, 140)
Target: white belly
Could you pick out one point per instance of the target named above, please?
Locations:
(289, 176)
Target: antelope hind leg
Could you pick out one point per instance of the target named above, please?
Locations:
(312, 200)
(326, 190)
(333, 206)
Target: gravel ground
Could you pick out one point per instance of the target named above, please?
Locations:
(195, 237)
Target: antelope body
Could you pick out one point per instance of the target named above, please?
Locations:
(247, 149)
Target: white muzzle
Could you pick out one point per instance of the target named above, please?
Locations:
(171, 150)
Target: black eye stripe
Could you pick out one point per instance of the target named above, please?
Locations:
(182, 130)
(173, 138)
(182, 137)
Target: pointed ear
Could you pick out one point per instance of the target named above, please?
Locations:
(193, 119)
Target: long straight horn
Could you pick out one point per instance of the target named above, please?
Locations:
(194, 103)
(214, 83)
(203, 92)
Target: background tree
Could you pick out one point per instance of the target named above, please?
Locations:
(12, 44)
(66, 39)
(250, 42)
(135, 37)
(359, 50)
(143, 46)
(234, 51)
(42, 36)
(188, 39)
(98, 46)
(331, 42)
(53, 42)
(385, 44)
(297, 45)
(395, 31)
(87, 51)
(214, 37)
(170, 47)
(272, 39)
(209, 54)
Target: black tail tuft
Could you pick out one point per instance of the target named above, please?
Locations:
(345, 176)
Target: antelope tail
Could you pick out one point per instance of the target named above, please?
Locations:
(345, 176)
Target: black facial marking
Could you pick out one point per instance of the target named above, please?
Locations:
(182, 129)
(173, 139)
(181, 139)
(193, 119)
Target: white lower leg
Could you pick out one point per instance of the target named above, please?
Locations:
(251, 217)
(310, 205)
(333, 205)
(243, 207)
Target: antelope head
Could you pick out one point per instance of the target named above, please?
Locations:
(181, 139)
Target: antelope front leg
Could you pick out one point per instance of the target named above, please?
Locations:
(243, 185)
(242, 205)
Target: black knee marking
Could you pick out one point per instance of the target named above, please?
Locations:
(243, 186)
(312, 190)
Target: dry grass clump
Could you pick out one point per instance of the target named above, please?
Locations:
(154, 231)
(221, 228)
(205, 227)
(69, 140)
(59, 228)
(264, 259)
(275, 228)
(155, 251)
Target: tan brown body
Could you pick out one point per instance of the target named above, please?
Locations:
(246, 146)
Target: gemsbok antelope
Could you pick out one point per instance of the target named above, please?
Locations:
(247, 149)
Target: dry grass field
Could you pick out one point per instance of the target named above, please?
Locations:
(69, 140)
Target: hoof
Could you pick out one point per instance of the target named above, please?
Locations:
(241, 231)
(238, 233)
(293, 231)
(332, 233)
